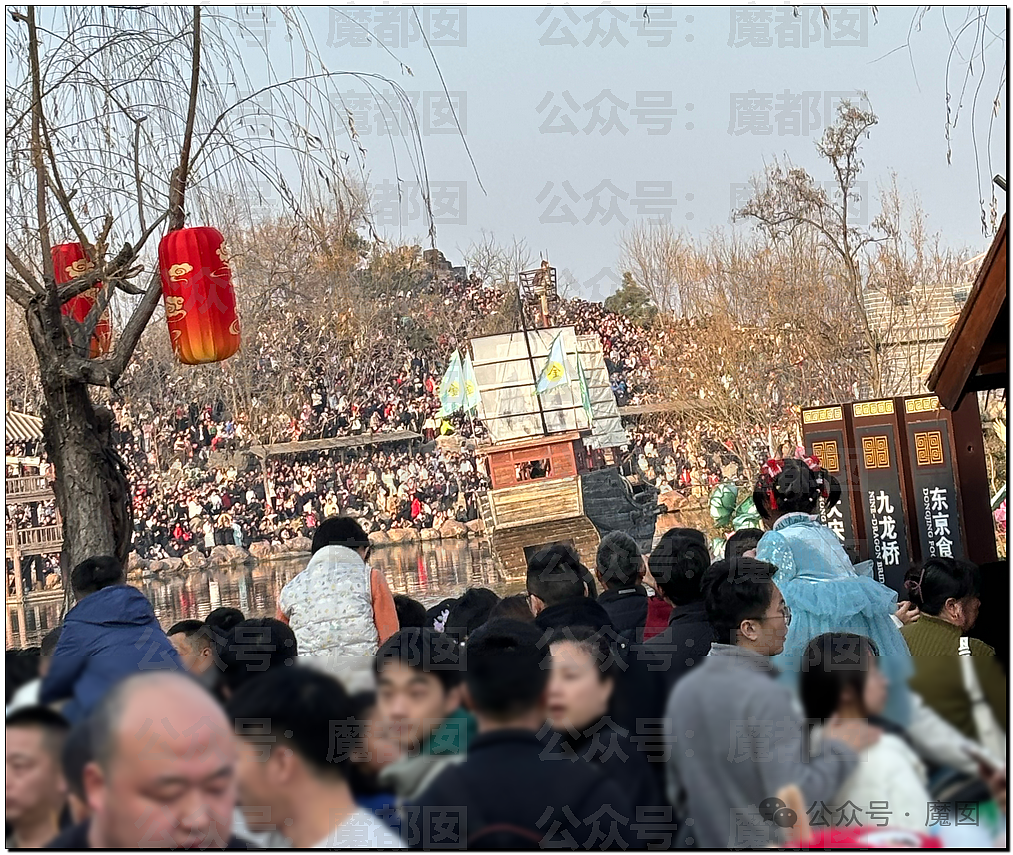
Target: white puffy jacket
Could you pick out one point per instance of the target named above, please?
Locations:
(329, 606)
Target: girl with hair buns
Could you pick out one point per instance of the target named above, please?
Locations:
(815, 576)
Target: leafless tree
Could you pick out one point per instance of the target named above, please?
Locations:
(665, 263)
(119, 127)
(787, 200)
(975, 79)
(496, 263)
(21, 369)
(915, 290)
(774, 325)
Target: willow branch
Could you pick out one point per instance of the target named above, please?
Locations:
(177, 185)
(147, 233)
(61, 193)
(40, 167)
(131, 334)
(116, 272)
(137, 172)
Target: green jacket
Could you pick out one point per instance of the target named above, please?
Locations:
(934, 643)
(448, 743)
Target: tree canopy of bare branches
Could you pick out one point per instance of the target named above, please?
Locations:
(810, 307)
(126, 122)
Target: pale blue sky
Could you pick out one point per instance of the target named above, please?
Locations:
(507, 73)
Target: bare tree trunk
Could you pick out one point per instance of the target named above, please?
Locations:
(78, 438)
(91, 487)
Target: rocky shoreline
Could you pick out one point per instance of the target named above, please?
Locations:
(263, 550)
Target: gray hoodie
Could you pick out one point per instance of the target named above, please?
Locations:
(738, 738)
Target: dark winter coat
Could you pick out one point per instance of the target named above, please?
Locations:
(630, 760)
(506, 795)
(627, 608)
(685, 642)
(577, 611)
(106, 637)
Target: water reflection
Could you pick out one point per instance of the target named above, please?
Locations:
(429, 572)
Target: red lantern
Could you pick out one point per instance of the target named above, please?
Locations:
(200, 304)
(69, 262)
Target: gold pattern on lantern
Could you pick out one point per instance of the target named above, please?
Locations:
(79, 267)
(174, 310)
(223, 253)
(179, 272)
(234, 327)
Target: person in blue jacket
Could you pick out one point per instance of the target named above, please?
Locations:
(110, 634)
(822, 589)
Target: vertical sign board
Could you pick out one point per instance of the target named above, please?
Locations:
(876, 432)
(825, 433)
(931, 483)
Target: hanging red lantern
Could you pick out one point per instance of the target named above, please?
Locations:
(69, 262)
(200, 304)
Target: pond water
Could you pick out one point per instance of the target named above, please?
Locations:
(429, 572)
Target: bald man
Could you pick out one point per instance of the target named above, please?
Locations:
(164, 769)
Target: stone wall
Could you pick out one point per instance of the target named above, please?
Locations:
(262, 550)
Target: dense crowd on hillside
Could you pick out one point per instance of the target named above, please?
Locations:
(630, 354)
(189, 494)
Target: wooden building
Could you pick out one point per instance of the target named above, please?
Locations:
(975, 356)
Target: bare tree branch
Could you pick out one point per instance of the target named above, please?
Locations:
(789, 201)
(90, 323)
(177, 184)
(17, 292)
(131, 334)
(137, 173)
(78, 285)
(40, 168)
(15, 261)
(61, 195)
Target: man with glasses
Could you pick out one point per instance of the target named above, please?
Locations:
(738, 739)
(340, 609)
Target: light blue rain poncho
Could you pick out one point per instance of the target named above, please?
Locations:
(826, 594)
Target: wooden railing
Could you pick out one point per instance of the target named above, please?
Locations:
(28, 486)
(37, 541)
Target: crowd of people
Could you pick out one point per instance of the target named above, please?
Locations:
(384, 488)
(777, 697)
(193, 490)
(631, 355)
